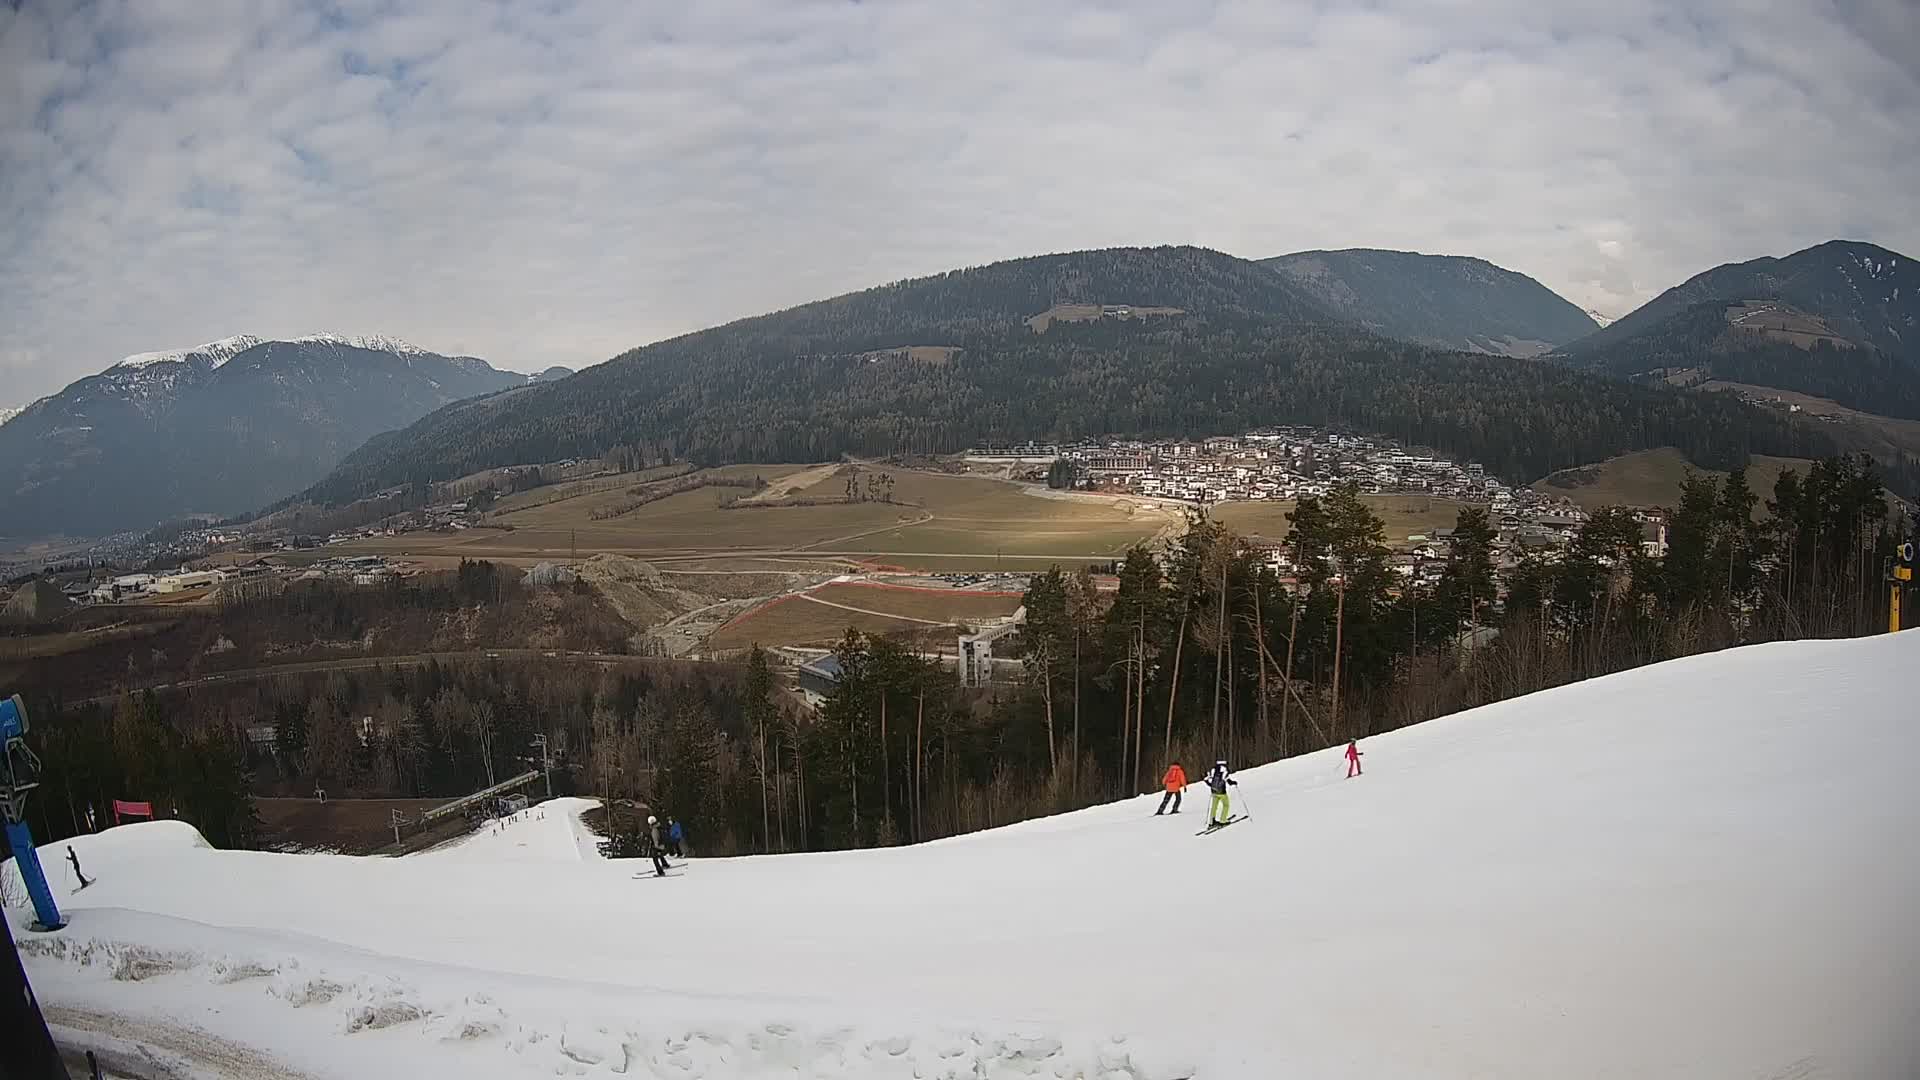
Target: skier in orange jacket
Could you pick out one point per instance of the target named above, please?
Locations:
(1175, 782)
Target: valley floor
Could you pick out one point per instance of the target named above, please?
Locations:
(1695, 869)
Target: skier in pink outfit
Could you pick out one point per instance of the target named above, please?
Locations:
(1353, 759)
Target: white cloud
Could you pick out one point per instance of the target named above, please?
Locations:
(555, 182)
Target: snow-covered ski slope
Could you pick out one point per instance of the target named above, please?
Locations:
(1707, 868)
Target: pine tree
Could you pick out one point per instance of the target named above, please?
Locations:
(760, 715)
(1739, 545)
(1047, 636)
(1687, 577)
(1467, 588)
(688, 786)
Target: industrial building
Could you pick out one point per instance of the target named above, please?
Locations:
(192, 579)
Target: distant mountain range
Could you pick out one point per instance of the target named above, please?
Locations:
(1136, 341)
(1840, 320)
(1446, 301)
(1868, 294)
(217, 429)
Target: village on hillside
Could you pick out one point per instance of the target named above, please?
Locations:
(1284, 464)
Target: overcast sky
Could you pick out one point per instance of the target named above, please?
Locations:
(554, 182)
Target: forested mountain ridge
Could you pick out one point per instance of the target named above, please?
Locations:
(1866, 293)
(1838, 321)
(1446, 301)
(834, 378)
(1764, 343)
(218, 429)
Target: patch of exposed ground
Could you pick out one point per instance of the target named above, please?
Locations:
(674, 611)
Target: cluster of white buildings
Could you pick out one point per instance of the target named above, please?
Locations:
(131, 585)
(356, 569)
(1287, 463)
(1291, 463)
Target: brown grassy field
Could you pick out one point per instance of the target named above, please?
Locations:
(1770, 319)
(1403, 516)
(872, 608)
(1653, 478)
(795, 621)
(935, 520)
(935, 605)
(1088, 313)
(523, 500)
(970, 515)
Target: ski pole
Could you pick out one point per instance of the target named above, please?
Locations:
(1245, 809)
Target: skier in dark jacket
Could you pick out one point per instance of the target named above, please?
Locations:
(675, 838)
(655, 847)
(1221, 809)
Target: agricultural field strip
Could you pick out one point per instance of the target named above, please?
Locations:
(869, 611)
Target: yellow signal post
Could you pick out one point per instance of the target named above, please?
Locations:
(1904, 557)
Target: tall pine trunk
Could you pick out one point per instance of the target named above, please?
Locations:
(1073, 769)
(1173, 693)
(853, 783)
(886, 776)
(919, 764)
(1233, 724)
(1140, 701)
(1046, 696)
(1293, 634)
(1339, 627)
(780, 793)
(1260, 657)
(1126, 721)
(800, 794)
(1219, 657)
(766, 818)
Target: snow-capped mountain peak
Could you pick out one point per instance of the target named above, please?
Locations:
(376, 342)
(8, 412)
(1603, 320)
(128, 446)
(218, 351)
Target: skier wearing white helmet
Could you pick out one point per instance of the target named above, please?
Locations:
(655, 847)
(1220, 812)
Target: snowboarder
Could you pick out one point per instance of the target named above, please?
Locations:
(655, 847)
(1221, 809)
(1175, 782)
(676, 836)
(1353, 759)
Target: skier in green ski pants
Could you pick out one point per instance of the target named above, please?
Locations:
(1221, 809)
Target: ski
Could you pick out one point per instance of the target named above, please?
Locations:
(649, 874)
(1214, 827)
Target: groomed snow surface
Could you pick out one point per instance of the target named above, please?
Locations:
(1706, 868)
